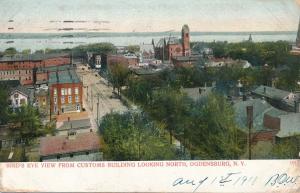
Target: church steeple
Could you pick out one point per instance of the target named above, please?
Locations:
(298, 36)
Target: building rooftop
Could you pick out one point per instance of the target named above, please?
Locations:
(76, 124)
(260, 108)
(31, 57)
(81, 142)
(54, 68)
(271, 92)
(67, 76)
(21, 89)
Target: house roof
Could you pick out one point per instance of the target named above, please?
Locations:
(260, 108)
(75, 124)
(20, 89)
(55, 145)
(54, 68)
(31, 57)
(67, 76)
(271, 92)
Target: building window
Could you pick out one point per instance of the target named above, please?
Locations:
(55, 100)
(76, 90)
(63, 91)
(69, 91)
(78, 107)
(55, 91)
(63, 99)
(70, 99)
(77, 99)
(55, 108)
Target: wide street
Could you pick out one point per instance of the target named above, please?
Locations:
(95, 88)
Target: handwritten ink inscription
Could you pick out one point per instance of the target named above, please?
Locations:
(236, 179)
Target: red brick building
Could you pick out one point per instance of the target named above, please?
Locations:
(127, 60)
(168, 48)
(23, 67)
(65, 92)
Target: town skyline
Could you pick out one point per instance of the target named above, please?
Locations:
(148, 16)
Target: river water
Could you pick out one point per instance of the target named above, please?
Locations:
(43, 41)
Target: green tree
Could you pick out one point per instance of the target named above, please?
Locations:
(4, 105)
(170, 106)
(26, 51)
(118, 74)
(27, 124)
(287, 149)
(212, 132)
(10, 51)
(132, 136)
(133, 48)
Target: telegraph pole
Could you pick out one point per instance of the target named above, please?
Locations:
(87, 93)
(250, 125)
(98, 110)
(92, 97)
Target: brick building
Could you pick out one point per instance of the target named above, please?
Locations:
(168, 48)
(65, 92)
(23, 67)
(296, 49)
(127, 60)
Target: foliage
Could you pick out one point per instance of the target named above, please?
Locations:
(26, 124)
(133, 48)
(287, 149)
(132, 136)
(170, 106)
(4, 105)
(258, 53)
(10, 51)
(118, 74)
(26, 51)
(212, 131)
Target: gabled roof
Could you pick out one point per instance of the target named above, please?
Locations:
(270, 92)
(260, 108)
(56, 145)
(20, 89)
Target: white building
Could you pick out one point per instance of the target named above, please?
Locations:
(19, 96)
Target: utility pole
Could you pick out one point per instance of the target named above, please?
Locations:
(92, 97)
(98, 110)
(250, 125)
(87, 93)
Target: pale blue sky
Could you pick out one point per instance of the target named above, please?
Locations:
(150, 15)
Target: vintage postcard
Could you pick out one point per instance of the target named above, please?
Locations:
(150, 96)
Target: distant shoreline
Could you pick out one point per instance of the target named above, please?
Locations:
(130, 34)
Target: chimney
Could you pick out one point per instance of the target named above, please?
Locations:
(297, 106)
(265, 90)
(250, 126)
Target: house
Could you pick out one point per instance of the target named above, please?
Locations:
(227, 62)
(19, 96)
(263, 128)
(71, 147)
(66, 92)
(146, 52)
(287, 101)
(126, 60)
(42, 100)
